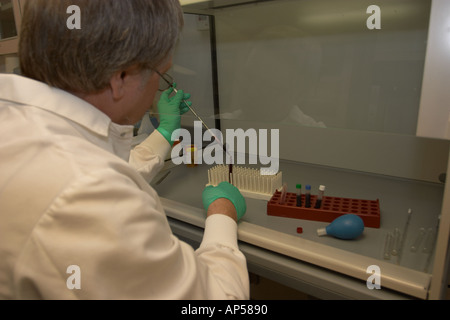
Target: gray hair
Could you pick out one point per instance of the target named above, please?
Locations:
(114, 35)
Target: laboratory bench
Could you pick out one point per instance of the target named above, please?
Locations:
(323, 267)
(298, 66)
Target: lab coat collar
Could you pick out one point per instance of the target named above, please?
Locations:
(34, 93)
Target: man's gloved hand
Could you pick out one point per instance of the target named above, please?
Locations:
(227, 191)
(170, 110)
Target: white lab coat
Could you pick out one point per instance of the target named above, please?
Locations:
(78, 221)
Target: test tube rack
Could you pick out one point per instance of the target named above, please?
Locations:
(331, 208)
(249, 181)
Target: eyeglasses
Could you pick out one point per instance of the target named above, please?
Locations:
(166, 81)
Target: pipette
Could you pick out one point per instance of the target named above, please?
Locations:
(397, 242)
(404, 234)
(388, 246)
(418, 241)
(206, 127)
(429, 239)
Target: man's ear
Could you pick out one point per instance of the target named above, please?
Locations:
(117, 84)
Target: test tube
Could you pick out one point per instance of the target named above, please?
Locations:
(397, 242)
(299, 195)
(320, 197)
(405, 232)
(308, 196)
(429, 241)
(418, 240)
(388, 246)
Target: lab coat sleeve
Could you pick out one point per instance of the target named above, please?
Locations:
(148, 157)
(119, 238)
(219, 246)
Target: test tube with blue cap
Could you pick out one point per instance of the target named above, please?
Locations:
(308, 196)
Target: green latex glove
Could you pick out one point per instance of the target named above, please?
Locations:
(227, 191)
(170, 110)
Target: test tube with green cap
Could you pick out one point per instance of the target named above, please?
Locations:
(299, 195)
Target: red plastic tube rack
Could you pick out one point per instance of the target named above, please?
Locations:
(331, 208)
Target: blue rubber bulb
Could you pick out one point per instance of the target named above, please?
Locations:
(346, 227)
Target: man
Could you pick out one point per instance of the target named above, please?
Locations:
(78, 219)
